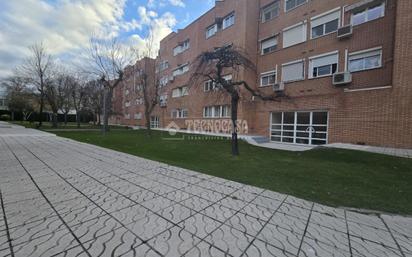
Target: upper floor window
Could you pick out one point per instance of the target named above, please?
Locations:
(325, 65)
(292, 4)
(163, 100)
(179, 113)
(269, 45)
(295, 34)
(180, 91)
(163, 65)
(210, 31)
(271, 11)
(365, 60)
(293, 71)
(163, 81)
(139, 101)
(218, 111)
(368, 14)
(181, 47)
(229, 20)
(138, 116)
(209, 86)
(268, 78)
(182, 69)
(325, 23)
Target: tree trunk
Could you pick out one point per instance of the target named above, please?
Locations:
(235, 143)
(78, 119)
(12, 115)
(99, 122)
(54, 119)
(148, 127)
(65, 119)
(106, 108)
(41, 111)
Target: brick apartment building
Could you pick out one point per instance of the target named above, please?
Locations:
(344, 65)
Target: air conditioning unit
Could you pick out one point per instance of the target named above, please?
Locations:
(342, 78)
(345, 31)
(279, 87)
(172, 78)
(163, 103)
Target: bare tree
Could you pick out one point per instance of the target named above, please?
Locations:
(20, 98)
(36, 69)
(78, 93)
(212, 65)
(64, 94)
(108, 59)
(93, 99)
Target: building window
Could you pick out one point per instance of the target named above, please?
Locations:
(127, 116)
(138, 116)
(139, 101)
(269, 45)
(163, 100)
(324, 65)
(181, 47)
(365, 60)
(180, 91)
(325, 24)
(210, 31)
(218, 111)
(154, 122)
(163, 81)
(163, 65)
(179, 114)
(295, 34)
(293, 71)
(127, 104)
(209, 86)
(303, 127)
(229, 21)
(292, 4)
(126, 92)
(268, 78)
(271, 11)
(182, 69)
(368, 14)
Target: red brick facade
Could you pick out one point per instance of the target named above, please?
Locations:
(374, 109)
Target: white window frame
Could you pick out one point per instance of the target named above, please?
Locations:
(179, 113)
(216, 111)
(270, 8)
(210, 28)
(366, 9)
(365, 55)
(181, 91)
(276, 38)
(182, 69)
(138, 116)
(304, 24)
(267, 74)
(311, 67)
(154, 122)
(231, 17)
(291, 63)
(209, 86)
(336, 10)
(293, 8)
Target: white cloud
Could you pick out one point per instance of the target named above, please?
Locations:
(65, 27)
(163, 3)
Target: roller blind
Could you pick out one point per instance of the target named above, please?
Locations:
(292, 72)
(325, 19)
(294, 35)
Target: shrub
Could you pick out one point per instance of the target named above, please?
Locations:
(5, 117)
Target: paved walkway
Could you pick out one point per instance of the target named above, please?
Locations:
(64, 198)
(407, 153)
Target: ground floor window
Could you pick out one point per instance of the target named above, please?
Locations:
(302, 127)
(154, 122)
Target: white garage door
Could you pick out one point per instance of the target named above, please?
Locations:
(303, 127)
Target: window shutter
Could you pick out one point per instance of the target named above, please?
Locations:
(294, 35)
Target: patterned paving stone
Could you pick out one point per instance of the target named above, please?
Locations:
(262, 249)
(229, 240)
(281, 238)
(174, 242)
(149, 226)
(200, 225)
(108, 203)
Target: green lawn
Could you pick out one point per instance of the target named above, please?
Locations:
(61, 125)
(329, 176)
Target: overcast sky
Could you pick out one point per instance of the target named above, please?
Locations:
(65, 26)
